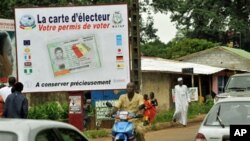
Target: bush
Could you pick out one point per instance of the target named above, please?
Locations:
(195, 108)
(164, 116)
(49, 110)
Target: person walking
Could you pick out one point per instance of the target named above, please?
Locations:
(6, 90)
(182, 100)
(86, 111)
(16, 104)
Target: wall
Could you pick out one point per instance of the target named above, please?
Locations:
(160, 84)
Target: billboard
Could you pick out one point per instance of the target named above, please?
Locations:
(73, 48)
(7, 50)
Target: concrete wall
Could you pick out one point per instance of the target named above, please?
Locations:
(160, 84)
(220, 58)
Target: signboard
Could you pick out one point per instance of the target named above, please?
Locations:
(188, 70)
(8, 50)
(75, 104)
(193, 93)
(102, 110)
(73, 48)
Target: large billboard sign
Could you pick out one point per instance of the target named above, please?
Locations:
(7, 50)
(73, 48)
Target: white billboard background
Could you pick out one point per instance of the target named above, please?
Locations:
(95, 48)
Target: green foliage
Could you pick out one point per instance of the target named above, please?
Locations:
(49, 110)
(164, 116)
(175, 49)
(188, 46)
(96, 133)
(195, 108)
(208, 19)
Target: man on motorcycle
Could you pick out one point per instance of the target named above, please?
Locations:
(131, 102)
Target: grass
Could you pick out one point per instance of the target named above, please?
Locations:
(91, 134)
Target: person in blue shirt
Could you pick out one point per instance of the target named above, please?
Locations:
(16, 104)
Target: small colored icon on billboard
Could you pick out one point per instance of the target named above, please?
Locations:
(28, 70)
(119, 58)
(27, 22)
(118, 40)
(26, 42)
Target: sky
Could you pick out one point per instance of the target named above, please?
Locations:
(166, 29)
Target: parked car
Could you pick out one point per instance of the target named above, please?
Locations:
(227, 111)
(38, 130)
(238, 85)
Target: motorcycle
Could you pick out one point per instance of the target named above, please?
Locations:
(123, 129)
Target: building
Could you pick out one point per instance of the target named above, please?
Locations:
(233, 59)
(225, 57)
(160, 75)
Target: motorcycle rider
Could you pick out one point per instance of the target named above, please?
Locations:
(130, 102)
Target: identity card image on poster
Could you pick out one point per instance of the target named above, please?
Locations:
(69, 55)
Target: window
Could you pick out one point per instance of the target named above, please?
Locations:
(237, 112)
(46, 135)
(222, 80)
(71, 135)
(6, 136)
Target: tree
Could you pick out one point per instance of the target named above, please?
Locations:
(176, 48)
(147, 30)
(209, 19)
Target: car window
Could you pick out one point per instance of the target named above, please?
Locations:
(238, 83)
(71, 135)
(46, 135)
(229, 113)
(7, 136)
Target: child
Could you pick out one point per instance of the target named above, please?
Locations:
(154, 103)
(148, 106)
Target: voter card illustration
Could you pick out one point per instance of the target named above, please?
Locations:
(73, 54)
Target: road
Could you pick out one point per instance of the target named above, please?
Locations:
(176, 133)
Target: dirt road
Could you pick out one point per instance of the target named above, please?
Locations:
(176, 133)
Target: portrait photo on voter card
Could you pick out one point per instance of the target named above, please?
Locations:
(74, 54)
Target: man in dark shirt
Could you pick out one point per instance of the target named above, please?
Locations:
(16, 104)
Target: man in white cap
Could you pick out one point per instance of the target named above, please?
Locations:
(182, 100)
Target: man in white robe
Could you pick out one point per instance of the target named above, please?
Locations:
(182, 100)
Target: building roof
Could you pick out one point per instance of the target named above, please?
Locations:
(153, 64)
(240, 52)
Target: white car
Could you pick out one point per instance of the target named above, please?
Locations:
(227, 111)
(238, 85)
(38, 130)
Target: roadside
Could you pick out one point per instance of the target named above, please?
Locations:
(157, 126)
(164, 125)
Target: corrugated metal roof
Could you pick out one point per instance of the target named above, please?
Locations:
(239, 52)
(165, 65)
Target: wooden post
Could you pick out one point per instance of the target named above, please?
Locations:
(200, 91)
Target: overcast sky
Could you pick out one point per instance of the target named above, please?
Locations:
(166, 29)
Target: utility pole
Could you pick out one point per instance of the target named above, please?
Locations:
(134, 36)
